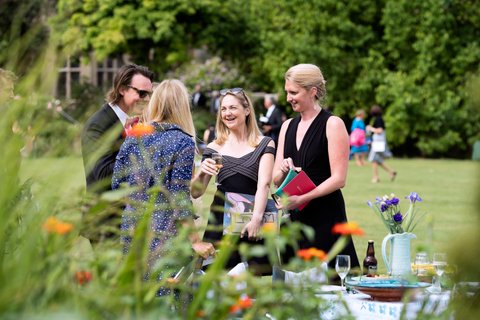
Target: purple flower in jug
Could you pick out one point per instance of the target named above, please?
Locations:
(398, 217)
(388, 209)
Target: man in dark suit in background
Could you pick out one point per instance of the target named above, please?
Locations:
(272, 122)
(199, 100)
(102, 135)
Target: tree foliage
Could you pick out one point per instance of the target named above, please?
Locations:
(23, 33)
(414, 58)
(431, 50)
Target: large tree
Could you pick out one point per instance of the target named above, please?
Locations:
(161, 34)
(414, 58)
(431, 51)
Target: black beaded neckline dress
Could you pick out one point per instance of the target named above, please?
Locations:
(237, 175)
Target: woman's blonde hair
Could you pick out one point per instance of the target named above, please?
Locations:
(253, 132)
(308, 76)
(170, 103)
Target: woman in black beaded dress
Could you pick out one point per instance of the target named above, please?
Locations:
(318, 143)
(248, 159)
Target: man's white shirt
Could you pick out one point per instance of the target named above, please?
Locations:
(120, 113)
(270, 111)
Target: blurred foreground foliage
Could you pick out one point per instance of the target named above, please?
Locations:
(47, 270)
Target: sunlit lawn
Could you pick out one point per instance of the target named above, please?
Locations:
(448, 188)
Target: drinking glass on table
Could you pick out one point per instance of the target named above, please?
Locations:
(421, 264)
(342, 266)
(217, 157)
(439, 263)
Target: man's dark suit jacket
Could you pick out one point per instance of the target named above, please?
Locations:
(201, 102)
(275, 120)
(103, 122)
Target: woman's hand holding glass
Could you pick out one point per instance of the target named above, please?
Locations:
(218, 159)
(210, 167)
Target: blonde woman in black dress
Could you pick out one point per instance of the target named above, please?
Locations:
(318, 143)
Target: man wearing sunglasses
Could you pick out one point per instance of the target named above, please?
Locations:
(103, 130)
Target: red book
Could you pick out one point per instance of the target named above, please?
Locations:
(299, 185)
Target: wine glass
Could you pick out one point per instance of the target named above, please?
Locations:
(439, 263)
(342, 266)
(217, 157)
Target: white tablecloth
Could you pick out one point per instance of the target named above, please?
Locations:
(362, 307)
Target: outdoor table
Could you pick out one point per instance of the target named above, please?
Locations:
(362, 307)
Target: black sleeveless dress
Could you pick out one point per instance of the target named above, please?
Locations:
(324, 212)
(237, 175)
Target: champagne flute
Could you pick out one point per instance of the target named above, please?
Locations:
(439, 263)
(217, 157)
(342, 266)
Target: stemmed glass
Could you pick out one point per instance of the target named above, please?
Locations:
(439, 263)
(217, 157)
(342, 266)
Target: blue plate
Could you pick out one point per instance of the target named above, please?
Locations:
(385, 283)
(386, 289)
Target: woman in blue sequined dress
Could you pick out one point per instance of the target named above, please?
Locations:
(161, 159)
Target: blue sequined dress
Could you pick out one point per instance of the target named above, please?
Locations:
(163, 159)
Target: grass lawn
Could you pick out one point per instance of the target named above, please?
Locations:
(448, 187)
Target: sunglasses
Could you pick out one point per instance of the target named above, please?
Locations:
(223, 92)
(141, 93)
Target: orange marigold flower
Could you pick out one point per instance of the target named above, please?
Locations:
(308, 254)
(245, 302)
(347, 228)
(235, 308)
(53, 225)
(269, 227)
(139, 130)
(83, 277)
(172, 281)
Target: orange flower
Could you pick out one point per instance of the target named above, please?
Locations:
(308, 254)
(139, 130)
(347, 228)
(83, 277)
(53, 225)
(172, 281)
(201, 314)
(235, 308)
(269, 227)
(244, 302)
